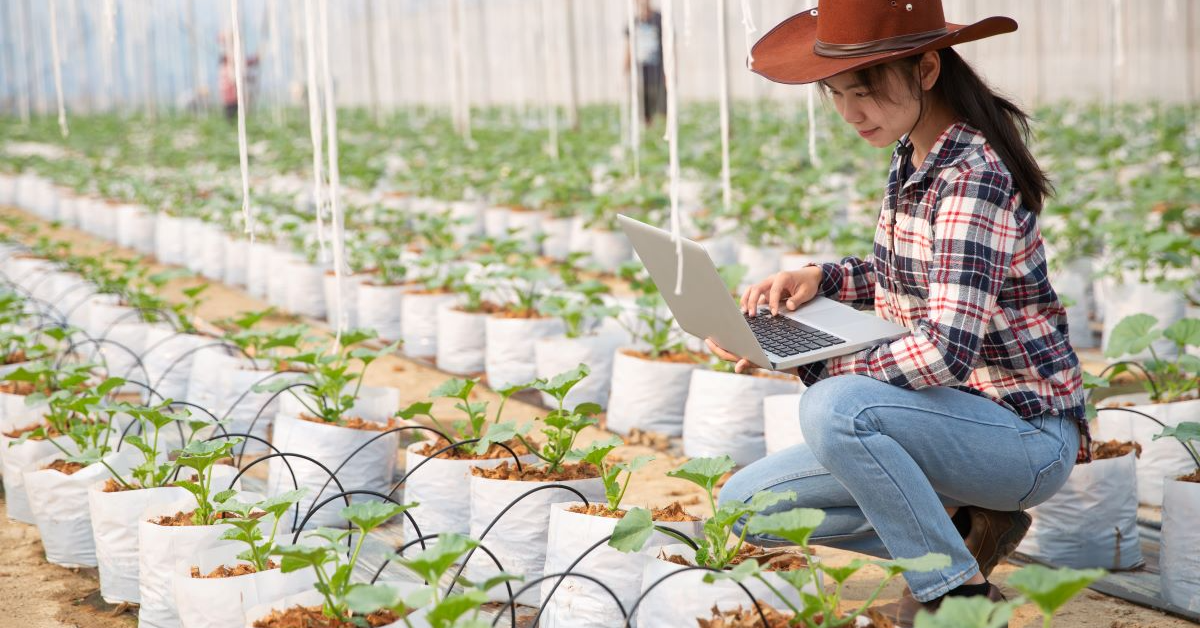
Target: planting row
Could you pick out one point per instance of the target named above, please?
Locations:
(140, 486)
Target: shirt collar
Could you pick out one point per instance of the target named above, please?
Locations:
(951, 147)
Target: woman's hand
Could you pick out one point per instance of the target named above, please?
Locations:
(743, 365)
(794, 287)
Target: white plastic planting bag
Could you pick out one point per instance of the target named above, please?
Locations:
(16, 414)
(760, 261)
(224, 384)
(724, 414)
(305, 289)
(379, 309)
(223, 602)
(648, 395)
(1161, 458)
(461, 340)
(1075, 283)
(258, 266)
(237, 258)
(518, 539)
(558, 355)
(159, 547)
(1091, 521)
(350, 284)
(168, 357)
(495, 222)
(169, 239)
(211, 261)
(103, 314)
(442, 487)
(115, 519)
(723, 250)
(509, 358)
(1179, 563)
(557, 243)
(609, 249)
(135, 228)
(370, 469)
(781, 422)
(579, 603)
(123, 354)
(419, 322)
(468, 218)
(526, 227)
(313, 598)
(686, 597)
(17, 460)
(63, 523)
(1133, 297)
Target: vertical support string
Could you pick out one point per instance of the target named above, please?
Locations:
(58, 89)
(723, 65)
(748, 25)
(334, 178)
(314, 127)
(239, 85)
(635, 80)
(668, 26)
(551, 107)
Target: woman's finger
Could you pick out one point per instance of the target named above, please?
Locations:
(718, 351)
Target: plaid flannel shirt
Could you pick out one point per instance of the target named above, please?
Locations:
(959, 261)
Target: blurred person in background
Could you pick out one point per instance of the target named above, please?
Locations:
(647, 31)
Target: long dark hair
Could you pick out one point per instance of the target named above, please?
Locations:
(1003, 123)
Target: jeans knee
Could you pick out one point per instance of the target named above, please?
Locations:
(829, 408)
(736, 489)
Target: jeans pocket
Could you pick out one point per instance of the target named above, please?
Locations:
(1045, 485)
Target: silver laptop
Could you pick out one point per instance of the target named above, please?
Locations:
(820, 329)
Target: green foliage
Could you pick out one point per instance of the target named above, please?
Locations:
(1187, 433)
(1170, 379)
(1049, 588)
(248, 529)
(655, 326)
(200, 456)
(596, 455)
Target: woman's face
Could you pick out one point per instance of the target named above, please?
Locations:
(881, 119)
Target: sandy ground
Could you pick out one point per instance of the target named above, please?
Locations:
(35, 594)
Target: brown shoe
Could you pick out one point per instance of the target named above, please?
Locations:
(994, 535)
(904, 612)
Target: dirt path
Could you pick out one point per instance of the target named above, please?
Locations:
(35, 594)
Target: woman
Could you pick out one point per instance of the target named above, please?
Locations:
(937, 441)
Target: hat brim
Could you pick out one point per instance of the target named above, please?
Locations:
(785, 54)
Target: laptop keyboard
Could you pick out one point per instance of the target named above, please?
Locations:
(786, 337)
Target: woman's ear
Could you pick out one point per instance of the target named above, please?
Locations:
(929, 68)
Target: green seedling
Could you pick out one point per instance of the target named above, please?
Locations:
(1188, 435)
(200, 456)
(476, 424)
(596, 455)
(247, 529)
(1167, 379)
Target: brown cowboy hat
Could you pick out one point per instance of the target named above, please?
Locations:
(843, 35)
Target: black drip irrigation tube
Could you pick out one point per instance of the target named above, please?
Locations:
(296, 528)
(503, 512)
(267, 404)
(141, 312)
(212, 345)
(633, 611)
(408, 472)
(1160, 423)
(422, 538)
(345, 495)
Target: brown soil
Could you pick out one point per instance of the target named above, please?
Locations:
(113, 486)
(487, 307)
(16, 388)
(20, 431)
(354, 423)
(465, 453)
(428, 291)
(770, 560)
(508, 471)
(674, 512)
(749, 618)
(1194, 476)
(16, 357)
(680, 357)
(241, 569)
(64, 467)
(184, 519)
(1114, 449)
(638, 437)
(518, 313)
(312, 617)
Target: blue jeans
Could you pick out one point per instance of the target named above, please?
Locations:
(883, 462)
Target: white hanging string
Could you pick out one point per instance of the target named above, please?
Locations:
(243, 153)
(668, 26)
(635, 80)
(1118, 35)
(723, 64)
(334, 178)
(464, 89)
(110, 20)
(58, 90)
(314, 127)
(813, 158)
(687, 22)
(551, 107)
(748, 25)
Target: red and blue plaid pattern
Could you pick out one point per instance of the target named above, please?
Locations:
(959, 261)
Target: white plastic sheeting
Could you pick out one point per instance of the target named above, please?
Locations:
(580, 603)
(1091, 521)
(518, 539)
(1160, 459)
(648, 395)
(724, 414)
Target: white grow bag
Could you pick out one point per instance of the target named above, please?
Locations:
(648, 395)
(510, 357)
(442, 487)
(461, 340)
(313, 598)
(224, 602)
(518, 540)
(305, 288)
(349, 298)
(1179, 562)
(781, 422)
(558, 355)
(62, 520)
(168, 358)
(419, 322)
(379, 309)
(17, 460)
(580, 603)
(724, 414)
(1161, 458)
(1091, 521)
(557, 244)
(237, 257)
